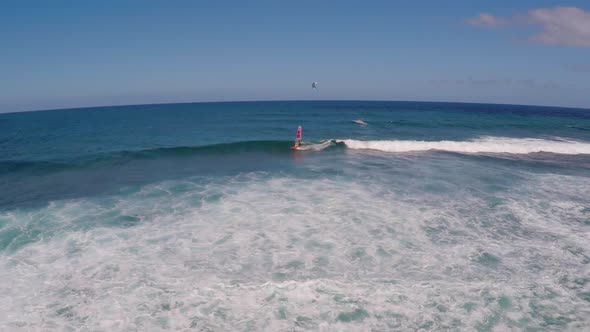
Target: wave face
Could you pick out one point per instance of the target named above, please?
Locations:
(481, 145)
(120, 157)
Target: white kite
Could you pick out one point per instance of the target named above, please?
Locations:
(314, 85)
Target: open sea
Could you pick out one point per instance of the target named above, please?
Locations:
(432, 216)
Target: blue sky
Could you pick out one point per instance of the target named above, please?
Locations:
(60, 54)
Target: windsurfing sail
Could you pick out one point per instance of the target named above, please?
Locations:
(314, 85)
(298, 136)
(297, 140)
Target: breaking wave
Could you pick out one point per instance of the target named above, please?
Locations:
(480, 145)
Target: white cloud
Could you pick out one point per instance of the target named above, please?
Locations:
(567, 26)
(486, 21)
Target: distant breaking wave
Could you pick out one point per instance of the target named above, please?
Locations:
(493, 145)
(480, 145)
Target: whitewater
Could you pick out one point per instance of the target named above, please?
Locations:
(480, 145)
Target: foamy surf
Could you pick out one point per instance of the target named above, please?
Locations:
(480, 145)
(317, 146)
(256, 253)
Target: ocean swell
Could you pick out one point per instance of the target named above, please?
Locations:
(121, 157)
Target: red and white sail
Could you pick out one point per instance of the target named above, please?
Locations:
(298, 135)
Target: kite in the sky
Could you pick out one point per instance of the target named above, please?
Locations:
(314, 85)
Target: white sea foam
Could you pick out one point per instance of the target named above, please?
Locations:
(258, 253)
(316, 146)
(480, 145)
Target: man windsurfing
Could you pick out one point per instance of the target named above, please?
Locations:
(297, 139)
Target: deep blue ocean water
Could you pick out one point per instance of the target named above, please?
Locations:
(430, 216)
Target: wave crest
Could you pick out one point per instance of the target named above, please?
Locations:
(480, 145)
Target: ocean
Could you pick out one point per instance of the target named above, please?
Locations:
(432, 216)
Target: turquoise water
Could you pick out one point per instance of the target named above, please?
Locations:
(432, 216)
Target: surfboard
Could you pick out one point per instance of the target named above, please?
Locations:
(297, 139)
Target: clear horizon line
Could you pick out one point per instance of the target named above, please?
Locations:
(287, 100)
